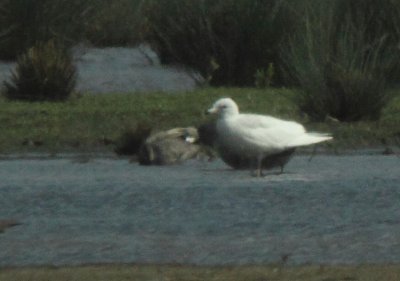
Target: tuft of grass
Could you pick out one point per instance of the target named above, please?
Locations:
(131, 139)
(44, 72)
(339, 65)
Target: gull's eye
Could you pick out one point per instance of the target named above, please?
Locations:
(223, 106)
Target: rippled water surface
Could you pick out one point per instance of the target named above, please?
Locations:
(334, 209)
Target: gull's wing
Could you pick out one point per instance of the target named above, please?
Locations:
(263, 121)
(269, 133)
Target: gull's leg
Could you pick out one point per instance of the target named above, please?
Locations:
(313, 153)
(259, 165)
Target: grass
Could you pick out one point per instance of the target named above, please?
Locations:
(94, 122)
(341, 70)
(227, 41)
(192, 273)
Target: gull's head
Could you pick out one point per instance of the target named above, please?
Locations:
(224, 107)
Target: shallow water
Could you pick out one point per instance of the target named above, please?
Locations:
(334, 209)
(122, 70)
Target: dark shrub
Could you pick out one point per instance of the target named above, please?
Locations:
(339, 64)
(378, 19)
(44, 72)
(132, 139)
(225, 40)
(25, 22)
(114, 23)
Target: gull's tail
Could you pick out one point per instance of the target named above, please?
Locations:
(309, 138)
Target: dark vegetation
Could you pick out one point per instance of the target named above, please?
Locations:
(344, 58)
(131, 139)
(343, 55)
(23, 23)
(226, 40)
(113, 23)
(44, 72)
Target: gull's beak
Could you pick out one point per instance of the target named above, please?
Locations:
(212, 110)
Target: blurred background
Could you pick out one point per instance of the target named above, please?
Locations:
(339, 52)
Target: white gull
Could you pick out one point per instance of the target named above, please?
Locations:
(257, 136)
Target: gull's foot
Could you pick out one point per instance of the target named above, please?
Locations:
(258, 173)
